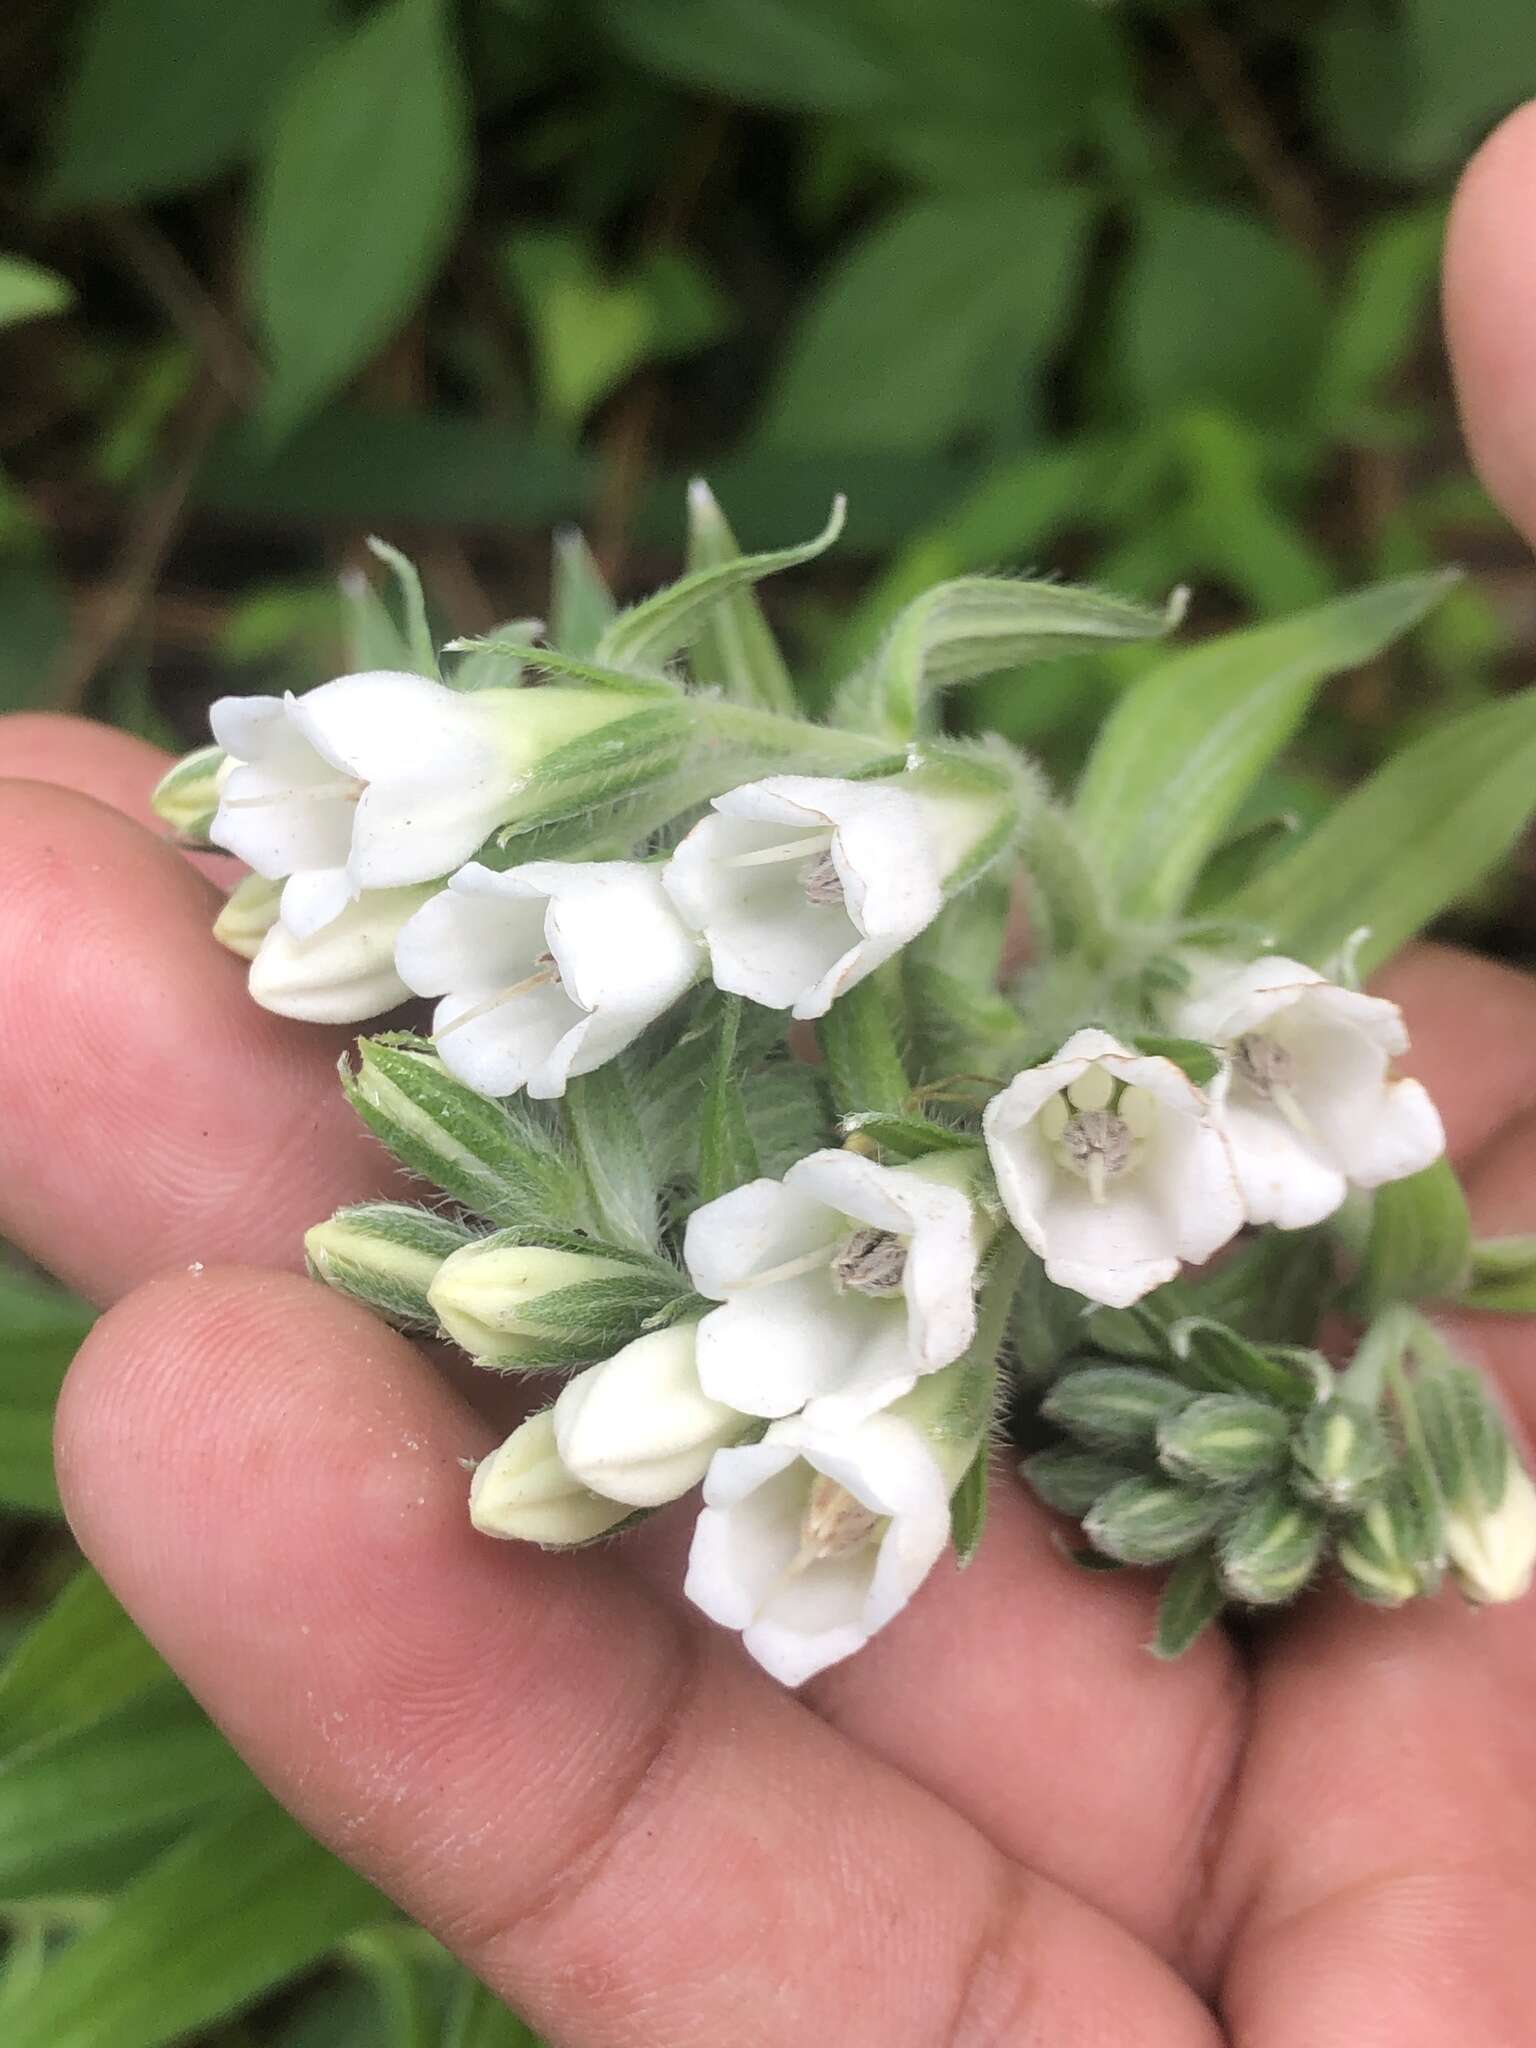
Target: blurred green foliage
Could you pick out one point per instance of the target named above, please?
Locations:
(1142, 292)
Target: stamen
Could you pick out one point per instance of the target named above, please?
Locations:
(1098, 1145)
(545, 975)
(871, 1262)
(834, 1524)
(1263, 1062)
(822, 883)
(808, 1262)
(346, 790)
(789, 849)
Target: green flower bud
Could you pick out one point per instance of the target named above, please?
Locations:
(187, 795)
(1224, 1440)
(1493, 1554)
(1151, 1521)
(1386, 1551)
(1071, 1481)
(1271, 1550)
(1114, 1406)
(1341, 1453)
(523, 1491)
(499, 1300)
(386, 1254)
(249, 913)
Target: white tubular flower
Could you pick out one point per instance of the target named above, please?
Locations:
(1493, 1552)
(1305, 1099)
(378, 780)
(639, 1427)
(802, 885)
(813, 1539)
(841, 1284)
(545, 971)
(1111, 1169)
(345, 971)
(523, 1492)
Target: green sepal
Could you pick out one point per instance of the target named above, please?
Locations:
(1420, 1242)
(386, 1254)
(968, 1507)
(1463, 1436)
(905, 1137)
(1271, 1550)
(1192, 1599)
(582, 606)
(592, 1320)
(1389, 1551)
(1501, 1276)
(1224, 1440)
(418, 633)
(187, 795)
(525, 653)
(492, 663)
(1212, 1358)
(615, 760)
(1341, 1453)
(1113, 1407)
(736, 651)
(1071, 1481)
(1151, 1521)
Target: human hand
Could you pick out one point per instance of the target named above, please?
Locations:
(1001, 1823)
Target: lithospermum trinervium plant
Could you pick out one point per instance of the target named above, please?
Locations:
(1105, 1204)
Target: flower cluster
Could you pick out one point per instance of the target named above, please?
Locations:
(1121, 1197)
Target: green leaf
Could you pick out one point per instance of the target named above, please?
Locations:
(359, 197)
(1213, 1359)
(40, 1330)
(599, 1116)
(1503, 1276)
(651, 632)
(1184, 745)
(935, 323)
(977, 626)
(582, 606)
(727, 1157)
(906, 1137)
(27, 291)
(1420, 1244)
(788, 1114)
(790, 53)
(1071, 1480)
(242, 1903)
(1198, 1061)
(478, 2019)
(968, 1507)
(83, 1659)
(81, 1808)
(1192, 1599)
(167, 92)
(736, 650)
(418, 634)
(34, 622)
(858, 1043)
(1381, 312)
(1407, 844)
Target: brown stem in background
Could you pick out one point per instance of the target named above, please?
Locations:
(158, 265)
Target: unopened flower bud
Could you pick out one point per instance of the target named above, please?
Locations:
(493, 1298)
(386, 1254)
(639, 1427)
(1341, 1453)
(1488, 1501)
(1386, 1551)
(1114, 1406)
(1071, 1481)
(1224, 1440)
(187, 795)
(249, 913)
(523, 1491)
(1151, 1521)
(343, 972)
(1493, 1554)
(1271, 1550)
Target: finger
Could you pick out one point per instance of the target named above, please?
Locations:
(1490, 308)
(116, 768)
(622, 1830)
(150, 1113)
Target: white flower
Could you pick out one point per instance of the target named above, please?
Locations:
(1493, 1553)
(381, 779)
(1305, 1098)
(1111, 1169)
(523, 1491)
(639, 1427)
(802, 885)
(813, 1539)
(545, 970)
(345, 971)
(841, 1283)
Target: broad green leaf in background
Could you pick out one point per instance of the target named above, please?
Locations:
(34, 618)
(1214, 304)
(81, 1660)
(240, 1904)
(40, 1329)
(591, 330)
(1185, 743)
(167, 92)
(938, 321)
(794, 53)
(1381, 312)
(27, 291)
(359, 198)
(1407, 844)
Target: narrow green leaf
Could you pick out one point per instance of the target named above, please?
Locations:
(863, 1060)
(1192, 1599)
(727, 1157)
(81, 1660)
(1503, 1276)
(40, 1330)
(736, 650)
(906, 1137)
(1407, 844)
(968, 1507)
(418, 634)
(582, 606)
(650, 633)
(27, 291)
(388, 1958)
(359, 197)
(1199, 1062)
(1071, 1480)
(477, 2019)
(1420, 1246)
(1216, 1360)
(570, 668)
(374, 639)
(599, 1115)
(979, 626)
(241, 1904)
(1184, 745)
